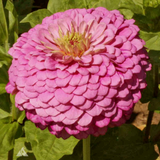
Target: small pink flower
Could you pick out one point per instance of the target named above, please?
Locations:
(79, 72)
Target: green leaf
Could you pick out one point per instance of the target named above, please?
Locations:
(21, 145)
(4, 74)
(21, 117)
(2, 88)
(147, 93)
(128, 14)
(7, 135)
(152, 39)
(47, 146)
(154, 56)
(13, 22)
(151, 3)
(155, 133)
(62, 5)
(130, 4)
(23, 7)
(3, 25)
(4, 105)
(119, 143)
(3, 154)
(154, 104)
(109, 4)
(36, 17)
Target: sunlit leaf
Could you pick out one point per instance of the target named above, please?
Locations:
(2, 88)
(109, 4)
(152, 39)
(47, 146)
(151, 3)
(21, 146)
(130, 4)
(36, 17)
(7, 135)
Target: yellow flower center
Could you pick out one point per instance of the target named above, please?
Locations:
(73, 43)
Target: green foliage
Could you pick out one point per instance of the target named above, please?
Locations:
(12, 22)
(21, 143)
(154, 104)
(47, 146)
(3, 25)
(7, 135)
(130, 4)
(36, 17)
(121, 143)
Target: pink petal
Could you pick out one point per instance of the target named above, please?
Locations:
(84, 80)
(103, 90)
(69, 89)
(105, 102)
(58, 118)
(52, 111)
(30, 94)
(137, 43)
(118, 116)
(53, 102)
(69, 121)
(102, 70)
(31, 80)
(111, 69)
(115, 80)
(106, 81)
(94, 111)
(41, 112)
(94, 79)
(112, 93)
(51, 83)
(45, 97)
(97, 59)
(73, 68)
(90, 94)
(85, 120)
(102, 122)
(51, 74)
(80, 90)
(62, 74)
(109, 114)
(21, 81)
(77, 100)
(93, 86)
(83, 71)
(86, 105)
(62, 97)
(126, 46)
(56, 127)
(63, 82)
(62, 108)
(75, 79)
(73, 113)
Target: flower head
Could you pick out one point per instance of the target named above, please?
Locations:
(79, 72)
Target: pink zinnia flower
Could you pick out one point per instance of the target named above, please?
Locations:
(79, 72)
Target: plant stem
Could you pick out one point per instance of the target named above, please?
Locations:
(147, 132)
(86, 148)
(155, 95)
(10, 155)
